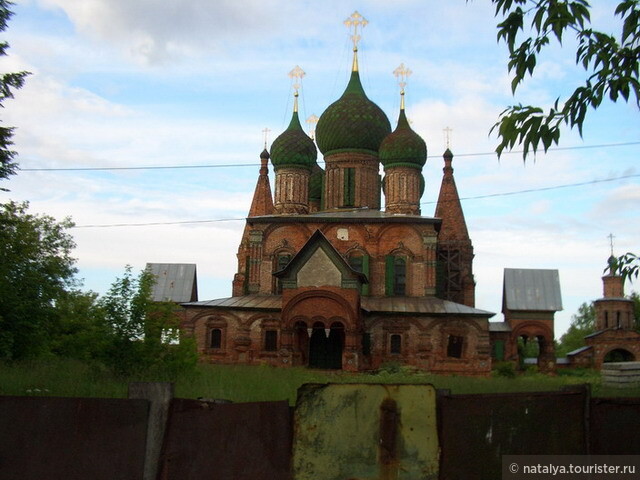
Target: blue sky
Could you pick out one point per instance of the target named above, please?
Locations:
(121, 83)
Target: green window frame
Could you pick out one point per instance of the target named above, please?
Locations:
(395, 275)
(349, 187)
(360, 263)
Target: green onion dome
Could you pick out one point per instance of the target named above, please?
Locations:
(404, 147)
(315, 182)
(353, 122)
(293, 147)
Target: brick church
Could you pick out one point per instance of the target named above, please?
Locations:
(330, 277)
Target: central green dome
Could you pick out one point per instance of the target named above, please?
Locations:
(353, 122)
(293, 147)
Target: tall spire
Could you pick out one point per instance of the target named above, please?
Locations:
(449, 208)
(455, 251)
(262, 203)
(352, 23)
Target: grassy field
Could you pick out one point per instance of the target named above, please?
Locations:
(251, 384)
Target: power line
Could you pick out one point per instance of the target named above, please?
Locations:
(229, 165)
(151, 224)
(501, 194)
(543, 189)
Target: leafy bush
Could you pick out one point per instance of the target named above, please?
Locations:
(504, 369)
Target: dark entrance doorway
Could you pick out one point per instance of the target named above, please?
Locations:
(325, 346)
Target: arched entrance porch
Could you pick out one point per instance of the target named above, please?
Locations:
(321, 344)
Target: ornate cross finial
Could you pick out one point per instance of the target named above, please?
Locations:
(265, 132)
(447, 135)
(611, 236)
(312, 121)
(402, 73)
(354, 21)
(296, 76)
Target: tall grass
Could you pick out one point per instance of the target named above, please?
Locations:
(58, 377)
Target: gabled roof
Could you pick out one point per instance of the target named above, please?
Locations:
(175, 282)
(317, 241)
(531, 289)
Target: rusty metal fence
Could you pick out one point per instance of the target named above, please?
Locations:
(80, 438)
(72, 438)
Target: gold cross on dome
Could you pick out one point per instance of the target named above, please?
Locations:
(312, 121)
(265, 132)
(296, 76)
(611, 236)
(402, 73)
(447, 135)
(353, 22)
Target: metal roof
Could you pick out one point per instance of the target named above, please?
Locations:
(532, 289)
(499, 327)
(430, 305)
(579, 350)
(262, 302)
(409, 305)
(175, 282)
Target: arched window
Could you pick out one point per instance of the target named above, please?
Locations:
(395, 344)
(215, 338)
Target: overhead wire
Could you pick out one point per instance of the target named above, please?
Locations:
(477, 197)
(232, 165)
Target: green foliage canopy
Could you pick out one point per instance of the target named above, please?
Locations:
(36, 270)
(610, 62)
(583, 323)
(143, 336)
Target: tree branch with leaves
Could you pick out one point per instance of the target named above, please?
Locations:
(611, 64)
(8, 83)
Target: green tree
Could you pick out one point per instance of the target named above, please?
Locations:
(582, 323)
(143, 335)
(636, 309)
(36, 270)
(8, 83)
(610, 63)
(80, 327)
(627, 265)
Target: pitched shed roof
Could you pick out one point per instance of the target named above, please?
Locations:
(175, 282)
(531, 289)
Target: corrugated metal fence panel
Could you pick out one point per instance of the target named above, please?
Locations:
(615, 426)
(476, 430)
(72, 438)
(205, 440)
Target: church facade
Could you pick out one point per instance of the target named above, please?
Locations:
(331, 277)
